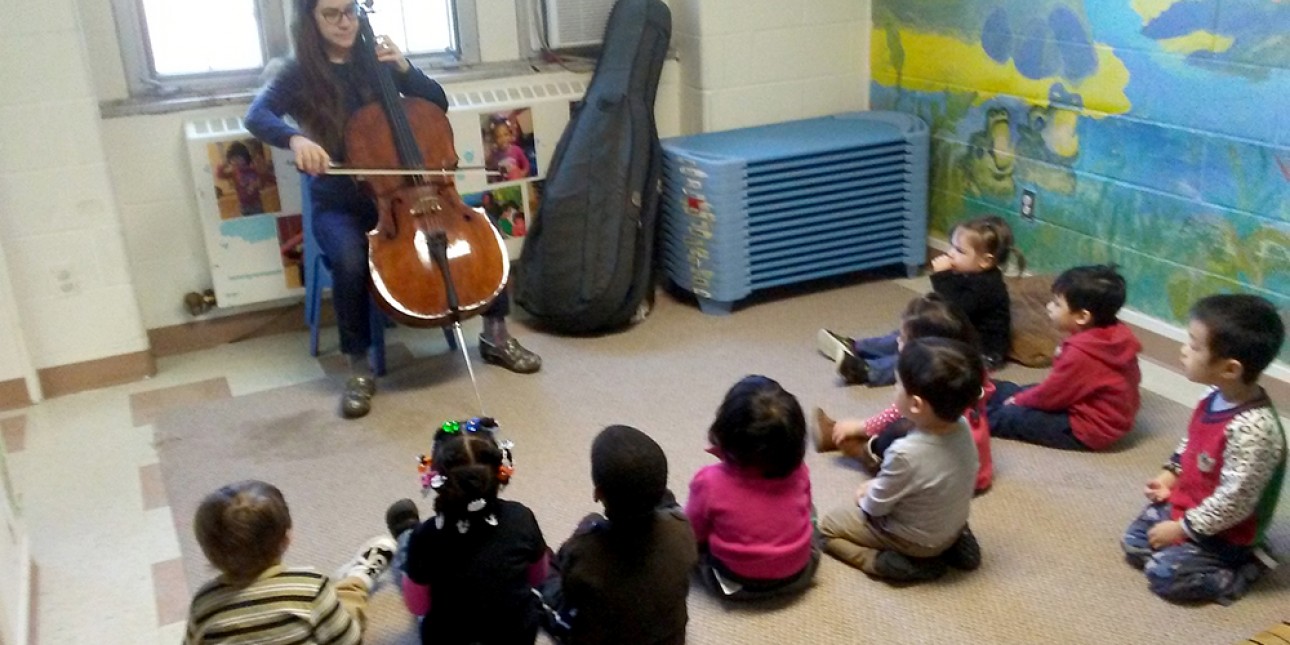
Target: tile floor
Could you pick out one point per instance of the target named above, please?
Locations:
(89, 484)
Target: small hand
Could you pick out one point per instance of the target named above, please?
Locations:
(1155, 492)
(863, 490)
(1012, 400)
(311, 158)
(1165, 534)
(388, 52)
(1160, 488)
(941, 263)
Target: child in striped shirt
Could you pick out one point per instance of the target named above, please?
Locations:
(244, 529)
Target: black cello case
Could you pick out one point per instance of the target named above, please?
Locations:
(588, 257)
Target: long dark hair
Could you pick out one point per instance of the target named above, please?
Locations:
(321, 104)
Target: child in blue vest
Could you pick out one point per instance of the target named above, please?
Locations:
(1200, 537)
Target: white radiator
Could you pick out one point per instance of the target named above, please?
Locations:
(251, 235)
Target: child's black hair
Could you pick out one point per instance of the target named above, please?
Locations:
(760, 426)
(238, 149)
(469, 463)
(945, 373)
(1243, 328)
(630, 471)
(932, 315)
(1098, 289)
(993, 237)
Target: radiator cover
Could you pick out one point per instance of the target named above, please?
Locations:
(753, 208)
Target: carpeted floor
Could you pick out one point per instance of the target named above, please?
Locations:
(1049, 528)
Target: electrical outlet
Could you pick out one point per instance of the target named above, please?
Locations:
(65, 281)
(1028, 204)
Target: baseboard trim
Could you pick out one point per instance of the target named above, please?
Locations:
(14, 394)
(205, 334)
(89, 375)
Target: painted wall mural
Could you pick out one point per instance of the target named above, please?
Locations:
(1153, 133)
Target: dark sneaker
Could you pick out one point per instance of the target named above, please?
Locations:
(402, 516)
(965, 553)
(897, 566)
(511, 355)
(356, 401)
(853, 370)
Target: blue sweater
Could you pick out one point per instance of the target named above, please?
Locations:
(283, 96)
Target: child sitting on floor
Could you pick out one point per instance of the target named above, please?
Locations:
(751, 513)
(911, 521)
(244, 530)
(1089, 400)
(623, 577)
(1201, 536)
(470, 569)
(866, 440)
(970, 276)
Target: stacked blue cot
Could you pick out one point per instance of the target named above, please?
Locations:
(753, 208)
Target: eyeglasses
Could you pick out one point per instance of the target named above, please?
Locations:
(332, 15)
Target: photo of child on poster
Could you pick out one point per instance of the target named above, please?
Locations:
(508, 138)
(505, 206)
(291, 246)
(243, 178)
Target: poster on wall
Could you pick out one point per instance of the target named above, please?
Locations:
(244, 179)
(248, 197)
(511, 208)
(508, 137)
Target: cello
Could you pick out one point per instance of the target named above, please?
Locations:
(434, 261)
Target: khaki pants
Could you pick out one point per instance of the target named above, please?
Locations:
(849, 537)
(352, 593)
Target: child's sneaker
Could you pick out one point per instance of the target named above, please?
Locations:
(372, 559)
(853, 370)
(894, 565)
(965, 553)
(834, 346)
(402, 516)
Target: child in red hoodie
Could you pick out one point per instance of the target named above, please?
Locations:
(1091, 397)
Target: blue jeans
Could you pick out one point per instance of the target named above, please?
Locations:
(1051, 429)
(341, 226)
(1212, 570)
(879, 354)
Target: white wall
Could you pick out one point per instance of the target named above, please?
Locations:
(751, 62)
(67, 266)
(158, 209)
(127, 225)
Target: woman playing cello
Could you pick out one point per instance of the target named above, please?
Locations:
(321, 88)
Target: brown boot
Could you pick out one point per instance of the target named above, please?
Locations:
(861, 451)
(823, 432)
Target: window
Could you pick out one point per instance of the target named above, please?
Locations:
(192, 46)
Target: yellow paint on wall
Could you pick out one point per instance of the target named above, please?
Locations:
(936, 62)
(1197, 41)
(1151, 9)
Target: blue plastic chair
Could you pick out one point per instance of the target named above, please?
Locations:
(318, 278)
